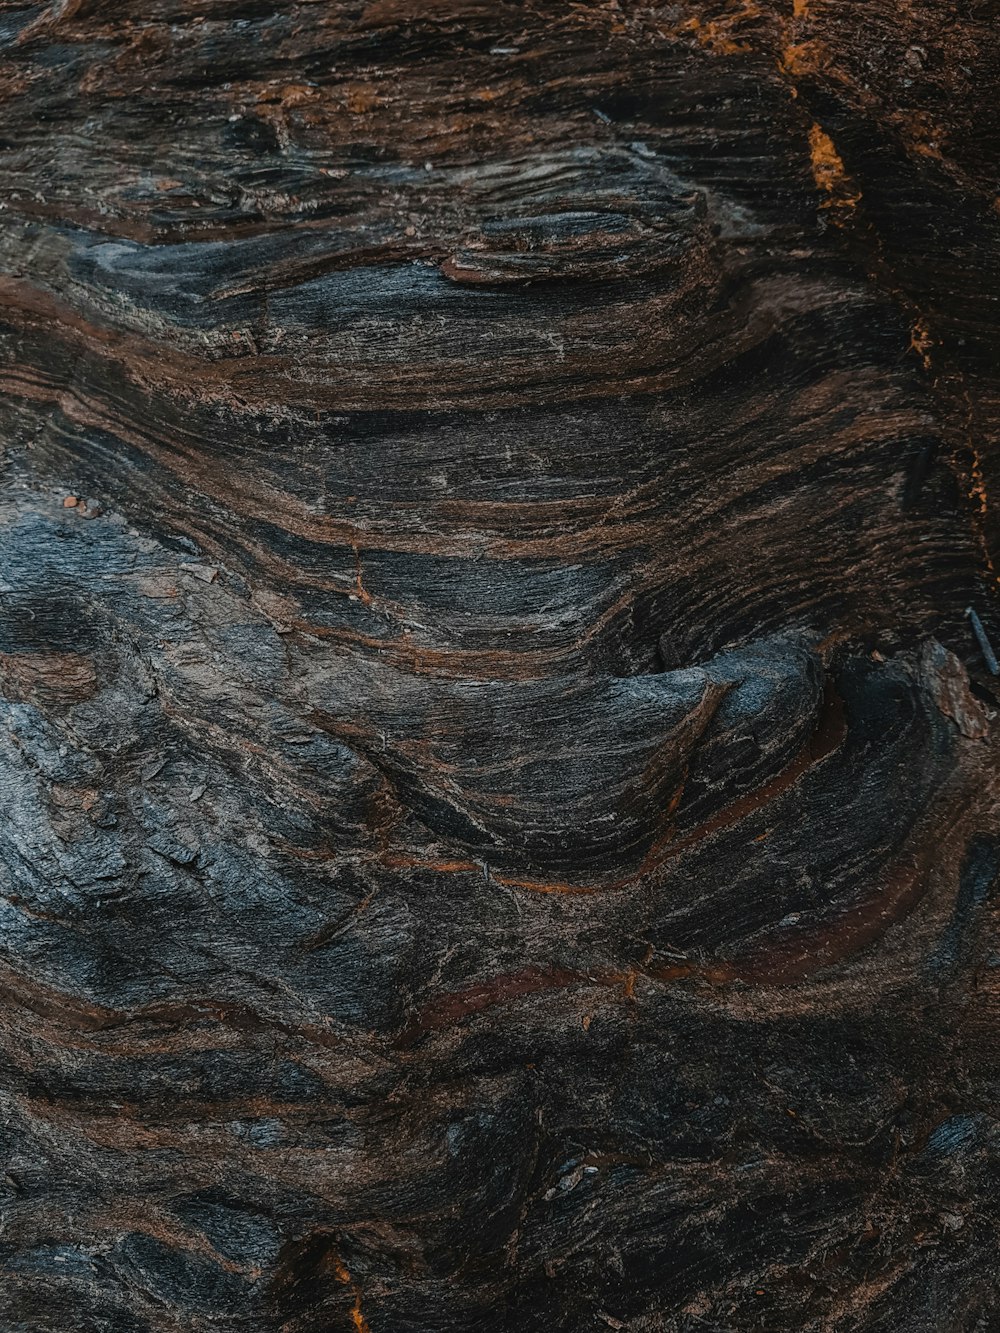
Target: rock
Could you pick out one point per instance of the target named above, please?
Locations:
(500, 817)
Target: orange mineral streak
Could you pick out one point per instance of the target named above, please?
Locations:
(921, 342)
(719, 35)
(343, 1274)
(979, 497)
(829, 171)
(799, 59)
(340, 1270)
(360, 1322)
(977, 483)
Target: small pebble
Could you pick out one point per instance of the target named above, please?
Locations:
(70, 502)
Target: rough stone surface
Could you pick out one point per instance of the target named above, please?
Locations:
(499, 784)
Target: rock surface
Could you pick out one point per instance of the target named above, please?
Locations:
(499, 782)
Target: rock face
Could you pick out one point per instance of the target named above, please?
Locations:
(499, 784)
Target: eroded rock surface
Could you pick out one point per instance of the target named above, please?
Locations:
(499, 786)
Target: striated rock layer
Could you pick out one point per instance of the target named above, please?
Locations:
(499, 785)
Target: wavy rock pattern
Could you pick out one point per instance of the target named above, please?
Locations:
(499, 786)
